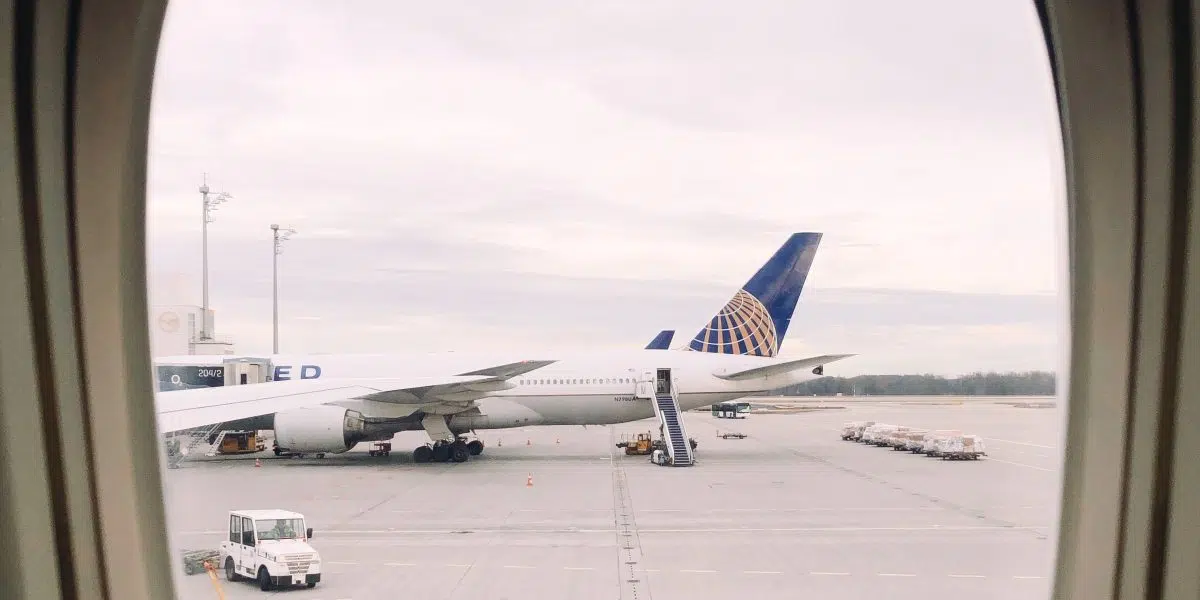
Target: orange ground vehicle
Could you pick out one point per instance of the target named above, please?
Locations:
(643, 444)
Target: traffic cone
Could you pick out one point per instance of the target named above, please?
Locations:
(499, 443)
(555, 440)
(528, 442)
(529, 480)
(258, 462)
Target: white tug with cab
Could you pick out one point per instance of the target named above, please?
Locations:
(270, 547)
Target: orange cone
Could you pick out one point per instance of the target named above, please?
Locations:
(555, 440)
(529, 481)
(258, 462)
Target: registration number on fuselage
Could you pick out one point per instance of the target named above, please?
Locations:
(626, 399)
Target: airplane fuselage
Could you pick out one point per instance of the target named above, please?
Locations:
(596, 388)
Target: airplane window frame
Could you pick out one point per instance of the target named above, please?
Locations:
(1128, 137)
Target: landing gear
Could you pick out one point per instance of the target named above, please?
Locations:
(459, 452)
(441, 451)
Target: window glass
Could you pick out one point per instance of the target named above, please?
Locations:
(247, 531)
(279, 529)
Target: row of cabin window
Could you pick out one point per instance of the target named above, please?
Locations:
(606, 380)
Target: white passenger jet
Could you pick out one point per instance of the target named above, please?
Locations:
(329, 403)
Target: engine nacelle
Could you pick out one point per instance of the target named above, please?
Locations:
(330, 429)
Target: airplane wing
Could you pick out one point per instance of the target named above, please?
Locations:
(187, 409)
(784, 367)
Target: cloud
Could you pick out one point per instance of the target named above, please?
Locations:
(554, 172)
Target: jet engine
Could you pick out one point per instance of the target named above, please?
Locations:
(319, 429)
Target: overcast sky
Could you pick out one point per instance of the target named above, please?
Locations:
(538, 175)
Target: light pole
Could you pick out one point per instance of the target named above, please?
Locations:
(280, 236)
(210, 205)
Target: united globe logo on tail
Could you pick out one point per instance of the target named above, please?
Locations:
(755, 321)
(743, 326)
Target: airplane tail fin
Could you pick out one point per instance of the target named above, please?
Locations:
(662, 341)
(755, 320)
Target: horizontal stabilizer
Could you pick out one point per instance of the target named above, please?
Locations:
(509, 370)
(785, 367)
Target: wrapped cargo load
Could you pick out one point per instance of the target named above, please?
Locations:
(916, 440)
(877, 435)
(868, 434)
(859, 428)
(871, 434)
(849, 428)
(930, 447)
(883, 437)
(899, 438)
(876, 432)
(961, 447)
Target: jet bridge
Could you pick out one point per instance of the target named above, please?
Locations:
(242, 371)
(231, 371)
(666, 408)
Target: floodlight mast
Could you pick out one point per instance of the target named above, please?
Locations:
(279, 237)
(210, 202)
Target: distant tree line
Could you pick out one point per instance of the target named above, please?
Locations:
(1029, 383)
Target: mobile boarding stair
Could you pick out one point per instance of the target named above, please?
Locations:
(666, 408)
(196, 438)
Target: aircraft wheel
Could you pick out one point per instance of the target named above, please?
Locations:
(423, 454)
(441, 453)
(459, 452)
(475, 447)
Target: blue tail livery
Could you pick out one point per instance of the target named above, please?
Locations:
(662, 341)
(755, 320)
